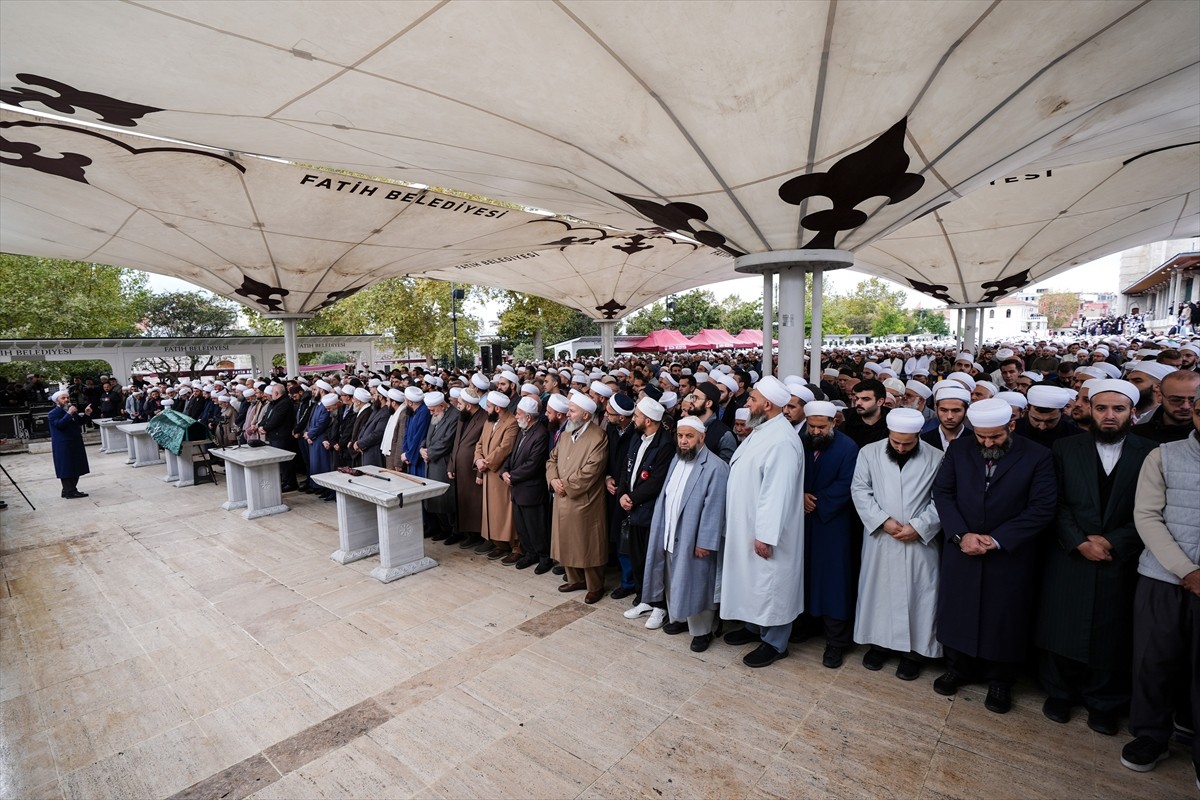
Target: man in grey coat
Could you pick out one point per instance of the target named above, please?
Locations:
(439, 442)
(686, 532)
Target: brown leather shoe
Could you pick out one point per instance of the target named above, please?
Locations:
(572, 587)
(592, 597)
(510, 559)
(497, 554)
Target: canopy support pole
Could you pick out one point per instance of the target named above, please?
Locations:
(608, 338)
(792, 265)
(768, 326)
(291, 353)
(816, 335)
(970, 324)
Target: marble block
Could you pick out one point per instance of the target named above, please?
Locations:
(143, 447)
(256, 469)
(111, 439)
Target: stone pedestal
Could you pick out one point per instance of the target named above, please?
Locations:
(381, 515)
(252, 479)
(142, 446)
(111, 439)
(181, 469)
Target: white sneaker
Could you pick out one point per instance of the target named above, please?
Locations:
(638, 610)
(657, 617)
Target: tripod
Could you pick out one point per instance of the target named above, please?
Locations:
(15, 486)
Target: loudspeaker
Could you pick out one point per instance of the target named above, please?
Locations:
(485, 358)
(497, 355)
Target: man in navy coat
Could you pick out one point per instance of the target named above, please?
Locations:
(996, 494)
(66, 442)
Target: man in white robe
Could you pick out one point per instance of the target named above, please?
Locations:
(898, 583)
(762, 579)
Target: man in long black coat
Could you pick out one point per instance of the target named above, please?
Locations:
(525, 473)
(275, 426)
(1085, 613)
(66, 442)
(995, 494)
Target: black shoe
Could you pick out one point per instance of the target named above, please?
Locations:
(875, 658)
(701, 643)
(948, 684)
(1104, 722)
(73, 495)
(453, 538)
(1057, 710)
(440, 536)
(742, 636)
(620, 593)
(763, 656)
(673, 628)
(999, 698)
(525, 562)
(833, 656)
(543, 567)
(559, 569)
(909, 669)
(496, 553)
(3, 505)
(470, 541)
(1143, 754)
(329, 498)
(486, 547)
(289, 487)
(801, 634)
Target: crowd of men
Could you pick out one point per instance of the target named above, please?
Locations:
(1023, 507)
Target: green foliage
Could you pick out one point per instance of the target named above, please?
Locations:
(872, 308)
(737, 315)
(931, 322)
(196, 314)
(1059, 308)
(694, 311)
(523, 351)
(57, 299)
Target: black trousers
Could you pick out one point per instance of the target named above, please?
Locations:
(639, 543)
(982, 669)
(839, 632)
(1076, 682)
(532, 530)
(1166, 657)
(69, 485)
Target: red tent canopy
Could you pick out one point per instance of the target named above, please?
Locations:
(712, 339)
(662, 340)
(749, 337)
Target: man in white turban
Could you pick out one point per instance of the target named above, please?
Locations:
(897, 586)
(497, 525)
(763, 574)
(1044, 422)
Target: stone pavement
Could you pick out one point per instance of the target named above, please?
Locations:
(153, 645)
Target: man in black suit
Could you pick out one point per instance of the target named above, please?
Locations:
(275, 426)
(525, 473)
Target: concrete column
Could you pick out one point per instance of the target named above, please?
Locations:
(814, 363)
(1196, 287)
(970, 337)
(791, 321)
(291, 355)
(608, 332)
(768, 320)
(791, 266)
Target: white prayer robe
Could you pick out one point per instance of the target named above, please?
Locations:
(898, 583)
(765, 501)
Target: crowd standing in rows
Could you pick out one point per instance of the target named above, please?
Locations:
(1023, 507)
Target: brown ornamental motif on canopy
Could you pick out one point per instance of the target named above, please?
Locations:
(877, 170)
(678, 217)
(67, 100)
(611, 309)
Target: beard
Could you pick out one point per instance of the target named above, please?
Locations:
(756, 420)
(821, 442)
(899, 459)
(1112, 437)
(493, 416)
(522, 423)
(687, 454)
(996, 453)
(572, 425)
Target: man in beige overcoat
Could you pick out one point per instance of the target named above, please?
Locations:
(497, 526)
(575, 473)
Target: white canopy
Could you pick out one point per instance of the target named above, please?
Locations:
(754, 125)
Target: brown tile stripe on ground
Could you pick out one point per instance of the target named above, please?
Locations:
(264, 768)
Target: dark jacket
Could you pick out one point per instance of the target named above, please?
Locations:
(1065, 427)
(833, 532)
(1156, 431)
(370, 438)
(277, 420)
(526, 465)
(644, 487)
(66, 442)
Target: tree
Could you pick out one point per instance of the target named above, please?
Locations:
(931, 322)
(737, 315)
(414, 313)
(528, 319)
(694, 311)
(187, 314)
(1059, 308)
(47, 298)
(858, 312)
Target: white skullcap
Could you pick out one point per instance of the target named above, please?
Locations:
(700, 377)
(248, 393)
(801, 391)
(990, 413)
(1191, 348)
(362, 395)
(707, 367)
(669, 378)
(950, 390)
(1004, 354)
(686, 371)
(789, 379)
(60, 393)
(753, 376)
(433, 399)
(1153, 369)
(963, 378)
(395, 394)
(989, 387)
(323, 386)
(887, 371)
(168, 403)
(742, 414)
(691, 422)
(920, 372)
(374, 383)
(601, 389)
(1048, 396)
(1093, 372)
(558, 403)
(1126, 388)
(895, 384)
(480, 382)
(329, 400)
(510, 376)
(434, 380)
(1109, 370)
(774, 391)
(529, 405)
(669, 399)
(871, 365)
(529, 388)
(455, 392)
(1036, 377)
(905, 420)
(222, 398)
(468, 397)
(965, 356)
(1015, 399)
(651, 408)
(413, 394)
(915, 386)
(817, 408)
(584, 402)
(830, 372)
(498, 399)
